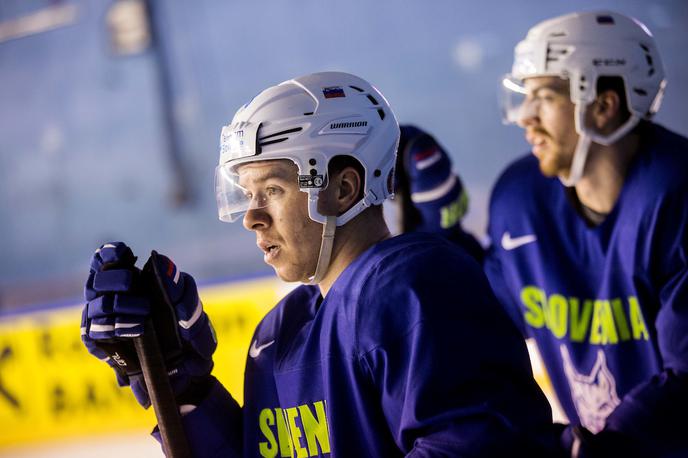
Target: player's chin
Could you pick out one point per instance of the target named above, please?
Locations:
(548, 169)
(290, 274)
(549, 166)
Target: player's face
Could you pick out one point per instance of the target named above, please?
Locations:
(548, 120)
(289, 239)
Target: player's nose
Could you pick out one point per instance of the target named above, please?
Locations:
(527, 114)
(256, 219)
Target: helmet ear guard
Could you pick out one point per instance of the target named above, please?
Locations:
(383, 185)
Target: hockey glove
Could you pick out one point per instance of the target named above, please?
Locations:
(120, 298)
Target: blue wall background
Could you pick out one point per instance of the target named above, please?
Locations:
(84, 143)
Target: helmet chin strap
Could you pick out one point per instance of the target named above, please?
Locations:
(585, 138)
(325, 250)
(330, 224)
(580, 155)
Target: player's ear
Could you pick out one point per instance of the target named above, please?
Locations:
(342, 191)
(350, 183)
(606, 111)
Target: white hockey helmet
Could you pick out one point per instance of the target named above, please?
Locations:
(309, 120)
(582, 47)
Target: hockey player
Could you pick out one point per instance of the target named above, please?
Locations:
(391, 347)
(590, 235)
(429, 195)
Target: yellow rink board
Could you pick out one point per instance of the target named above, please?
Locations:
(50, 387)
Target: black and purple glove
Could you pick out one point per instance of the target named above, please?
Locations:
(120, 298)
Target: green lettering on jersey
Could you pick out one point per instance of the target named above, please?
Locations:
(602, 331)
(315, 428)
(601, 321)
(620, 318)
(635, 315)
(534, 299)
(265, 420)
(557, 314)
(283, 433)
(580, 319)
(292, 414)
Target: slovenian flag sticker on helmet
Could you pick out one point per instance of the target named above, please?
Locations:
(333, 91)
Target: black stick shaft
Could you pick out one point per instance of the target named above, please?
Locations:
(174, 441)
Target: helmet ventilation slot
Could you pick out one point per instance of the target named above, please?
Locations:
(270, 142)
(605, 20)
(554, 52)
(284, 132)
(648, 59)
(277, 134)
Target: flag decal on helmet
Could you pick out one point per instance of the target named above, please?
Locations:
(333, 92)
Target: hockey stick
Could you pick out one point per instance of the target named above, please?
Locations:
(174, 441)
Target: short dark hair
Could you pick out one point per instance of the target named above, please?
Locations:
(616, 84)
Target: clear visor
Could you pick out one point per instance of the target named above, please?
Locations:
(512, 99)
(234, 200)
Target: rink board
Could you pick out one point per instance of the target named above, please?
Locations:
(50, 387)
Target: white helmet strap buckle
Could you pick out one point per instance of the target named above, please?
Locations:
(342, 219)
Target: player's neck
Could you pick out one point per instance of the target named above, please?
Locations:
(605, 172)
(350, 241)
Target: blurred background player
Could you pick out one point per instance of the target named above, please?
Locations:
(590, 232)
(360, 360)
(429, 195)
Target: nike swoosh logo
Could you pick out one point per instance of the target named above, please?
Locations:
(509, 243)
(255, 350)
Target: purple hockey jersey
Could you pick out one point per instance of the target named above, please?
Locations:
(607, 305)
(408, 354)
